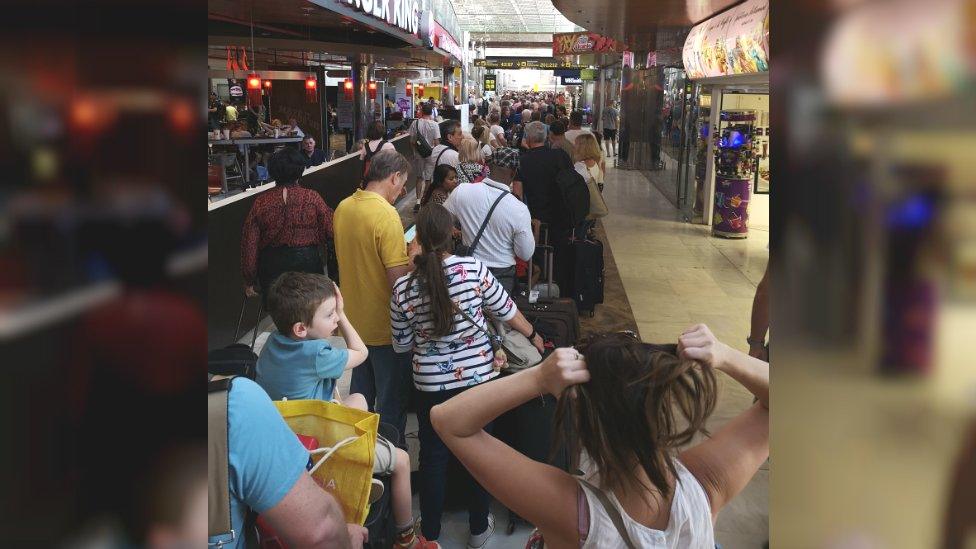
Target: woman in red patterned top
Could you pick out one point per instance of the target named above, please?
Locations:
(287, 228)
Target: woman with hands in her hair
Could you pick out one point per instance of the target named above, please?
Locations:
(639, 488)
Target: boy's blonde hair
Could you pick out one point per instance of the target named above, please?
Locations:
(470, 151)
(587, 148)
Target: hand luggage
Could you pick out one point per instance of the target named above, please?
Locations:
(529, 429)
(234, 360)
(548, 289)
(575, 195)
(556, 319)
(587, 274)
(379, 521)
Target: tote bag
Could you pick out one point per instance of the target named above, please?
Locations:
(346, 469)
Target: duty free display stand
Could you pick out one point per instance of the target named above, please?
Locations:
(735, 167)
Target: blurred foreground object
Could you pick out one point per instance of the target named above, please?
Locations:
(875, 310)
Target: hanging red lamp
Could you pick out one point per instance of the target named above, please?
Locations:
(420, 90)
(372, 90)
(347, 88)
(253, 88)
(311, 90)
(409, 88)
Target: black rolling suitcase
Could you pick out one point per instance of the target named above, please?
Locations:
(529, 429)
(234, 360)
(379, 521)
(587, 274)
(556, 318)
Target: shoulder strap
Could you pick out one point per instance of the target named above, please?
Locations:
(440, 154)
(484, 224)
(218, 518)
(613, 513)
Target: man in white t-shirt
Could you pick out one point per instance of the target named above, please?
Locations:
(575, 127)
(446, 152)
(509, 231)
(432, 133)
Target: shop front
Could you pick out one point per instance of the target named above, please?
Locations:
(724, 178)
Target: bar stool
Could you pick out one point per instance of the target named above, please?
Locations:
(232, 168)
(240, 320)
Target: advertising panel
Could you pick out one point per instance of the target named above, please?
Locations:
(576, 43)
(735, 42)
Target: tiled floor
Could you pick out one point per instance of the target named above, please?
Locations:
(675, 274)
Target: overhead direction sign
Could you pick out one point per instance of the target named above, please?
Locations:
(543, 63)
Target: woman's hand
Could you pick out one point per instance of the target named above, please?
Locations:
(700, 344)
(250, 291)
(563, 368)
(539, 344)
(340, 303)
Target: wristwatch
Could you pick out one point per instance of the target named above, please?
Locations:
(756, 342)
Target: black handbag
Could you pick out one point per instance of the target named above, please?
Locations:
(420, 144)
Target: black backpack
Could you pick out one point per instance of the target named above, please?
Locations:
(369, 155)
(575, 193)
(420, 144)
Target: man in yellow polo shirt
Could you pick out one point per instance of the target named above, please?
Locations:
(372, 254)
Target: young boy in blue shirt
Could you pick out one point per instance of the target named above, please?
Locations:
(297, 362)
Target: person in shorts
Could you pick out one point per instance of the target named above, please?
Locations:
(298, 362)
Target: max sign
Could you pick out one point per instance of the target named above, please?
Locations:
(575, 43)
(404, 14)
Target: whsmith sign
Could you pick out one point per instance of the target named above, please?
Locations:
(403, 14)
(524, 63)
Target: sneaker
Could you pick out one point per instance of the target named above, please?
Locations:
(376, 492)
(479, 541)
(412, 540)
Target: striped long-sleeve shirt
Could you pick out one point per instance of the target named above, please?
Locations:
(463, 357)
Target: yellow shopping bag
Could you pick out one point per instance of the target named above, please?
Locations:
(346, 469)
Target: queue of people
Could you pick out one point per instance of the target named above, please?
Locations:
(416, 318)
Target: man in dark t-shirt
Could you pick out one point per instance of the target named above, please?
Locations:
(313, 156)
(539, 165)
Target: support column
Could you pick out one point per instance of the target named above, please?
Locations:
(598, 94)
(708, 194)
(323, 110)
(361, 69)
(448, 80)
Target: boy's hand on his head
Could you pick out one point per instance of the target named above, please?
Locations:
(340, 305)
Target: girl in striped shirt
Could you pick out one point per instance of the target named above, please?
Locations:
(452, 351)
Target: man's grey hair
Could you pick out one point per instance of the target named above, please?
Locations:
(526, 114)
(535, 133)
(386, 163)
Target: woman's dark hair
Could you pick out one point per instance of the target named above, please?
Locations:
(376, 130)
(440, 174)
(287, 166)
(625, 416)
(435, 226)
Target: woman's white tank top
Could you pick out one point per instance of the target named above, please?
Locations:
(690, 525)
